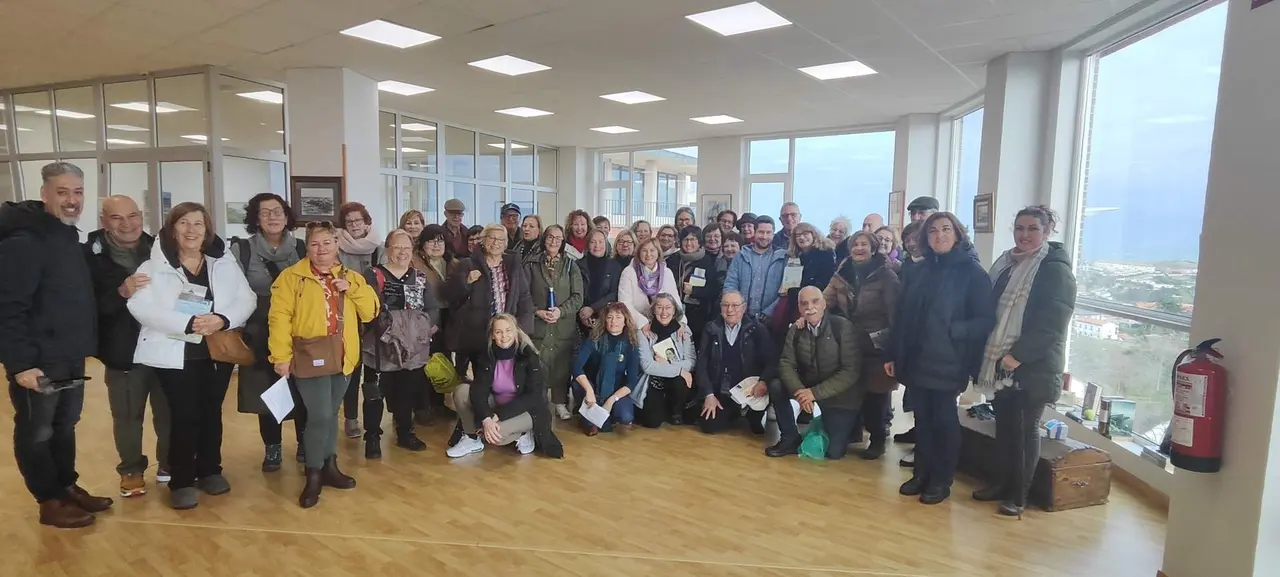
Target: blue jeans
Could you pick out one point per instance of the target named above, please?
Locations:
(937, 436)
(624, 409)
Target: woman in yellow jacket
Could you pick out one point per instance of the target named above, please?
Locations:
(317, 306)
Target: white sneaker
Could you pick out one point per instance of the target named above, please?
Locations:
(465, 446)
(562, 411)
(525, 443)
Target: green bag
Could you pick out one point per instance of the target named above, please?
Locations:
(443, 376)
(814, 444)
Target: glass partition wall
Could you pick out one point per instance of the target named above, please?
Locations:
(186, 135)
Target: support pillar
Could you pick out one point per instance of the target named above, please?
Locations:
(915, 162)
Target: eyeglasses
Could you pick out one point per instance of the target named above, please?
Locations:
(556, 238)
(278, 212)
(439, 241)
(495, 239)
(354, 222)
(732, 306)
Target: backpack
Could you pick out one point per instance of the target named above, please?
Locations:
(272, 268)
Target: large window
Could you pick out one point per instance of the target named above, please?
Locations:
(1144, 173)
(828, 176)
(648, 184)
(968, 147)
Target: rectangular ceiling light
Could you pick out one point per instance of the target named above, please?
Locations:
(614, 129)
(417, 127)
(514, 146)
(200, 137)
(524, 112)
(838, 70)
(716, 119)
(509, 65)
(632, 97)
(384, 32)
(126, 128)
(403, 88)
(123, 141)
(415, 139)
(408, 149)
(66, 114)
(20, 129)
(268, 96)
(740, 19)
(161, 107)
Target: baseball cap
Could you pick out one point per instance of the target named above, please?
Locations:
(923, 203)
(454, 205)
(510, 206)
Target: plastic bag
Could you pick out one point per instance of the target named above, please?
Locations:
(814, 444)
(443, 376)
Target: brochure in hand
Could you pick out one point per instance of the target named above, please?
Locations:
(192, 303)
(741, 394)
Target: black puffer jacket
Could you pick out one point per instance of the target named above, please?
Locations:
(531, 397)
(47, 312)
(759, 356)
(944, 318)
(117, 329)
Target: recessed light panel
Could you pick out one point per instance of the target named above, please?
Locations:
(509, 65)
(66, 114)
(384, 32)
(123, 141)
(614, 129)
(417, 127)
(161, 107)
(716, 119)
(838, 70)
(632, 97)
(740, 19)
(200, 137)
(409, 149)
(402, 88)
(126, 128)
(513, 146)
(268, 96)
(415, 139)
(524, 112)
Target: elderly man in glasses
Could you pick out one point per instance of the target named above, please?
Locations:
(733, 347)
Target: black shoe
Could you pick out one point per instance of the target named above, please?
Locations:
(913, 486)
(331, 476)
(1009, 509)
(311, 493)
(908, 461)
(373, 448)
(990, 493)
(676, 420)
(874, 451)
(411, 442)
(272, 459)
(907, 437)
(934, 495)
(783, 448)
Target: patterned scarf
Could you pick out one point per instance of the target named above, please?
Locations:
(650, 283)
(1009, 313)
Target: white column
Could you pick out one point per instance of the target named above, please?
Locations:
(576, 185)
(1227, 524)
(721, 166)
(332, 111)
(915, 161)
(1013, 128)
(650, 190)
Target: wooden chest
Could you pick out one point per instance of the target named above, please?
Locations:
(1070, 474)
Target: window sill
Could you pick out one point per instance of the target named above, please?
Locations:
(1126, 455)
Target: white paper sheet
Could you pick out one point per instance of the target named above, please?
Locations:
(278, 399)
(596, 414)
(740, 395)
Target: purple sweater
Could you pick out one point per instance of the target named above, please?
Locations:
(504, 382)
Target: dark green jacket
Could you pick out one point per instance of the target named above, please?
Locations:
(827, 363)
(568, 286)
(1042, 348)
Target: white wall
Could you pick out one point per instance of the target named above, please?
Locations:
(721, 166)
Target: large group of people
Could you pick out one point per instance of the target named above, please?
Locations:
(655, 325)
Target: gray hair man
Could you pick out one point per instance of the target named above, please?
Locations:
(48, 325)
(733, 348)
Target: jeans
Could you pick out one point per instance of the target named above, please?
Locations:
(1018, 415)
(937, 436)
(728, 415)
(195, 395)
(44, 433)
(401, 389)
(510, 429)
(127, 393)
(321, 395)
(623, 412)
(839, 424)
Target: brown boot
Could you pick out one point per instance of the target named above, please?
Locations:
(86, 501)
(64, 514)
(331, 476)
(311, 493)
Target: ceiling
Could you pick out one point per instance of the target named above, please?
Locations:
(930, 54)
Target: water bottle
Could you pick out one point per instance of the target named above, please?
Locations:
(551, 297)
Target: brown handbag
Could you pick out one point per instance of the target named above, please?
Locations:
(229, 347)
(320, 356)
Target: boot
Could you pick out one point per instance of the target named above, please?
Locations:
(405, 439)
(914, 486)
(272, 459)
(331, 476)
(372, 447)
(64, 514)
(311, 493)
(784, 447)
(84, 500)
(934, 495)
(873, 451)
(990, 493)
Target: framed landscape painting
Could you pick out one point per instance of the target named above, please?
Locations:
(316, 198)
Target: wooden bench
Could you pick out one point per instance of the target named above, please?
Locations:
(1070, 474)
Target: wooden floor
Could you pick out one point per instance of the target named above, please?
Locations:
(666, 502)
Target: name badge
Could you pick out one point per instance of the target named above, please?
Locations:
(317, 363)
(622, 358)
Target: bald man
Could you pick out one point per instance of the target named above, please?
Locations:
(114, 253)
(872, 223)
(819, 366)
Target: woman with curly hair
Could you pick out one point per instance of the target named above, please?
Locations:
(576, 227)
(817, 257)
(608, 368)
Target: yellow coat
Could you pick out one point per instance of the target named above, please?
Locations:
(298, 310)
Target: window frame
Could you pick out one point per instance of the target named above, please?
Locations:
(788, 178)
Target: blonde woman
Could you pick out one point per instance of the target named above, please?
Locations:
(608, 369)
(317, 306)
(624, 247)
(817, 256)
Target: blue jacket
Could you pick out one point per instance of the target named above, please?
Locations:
(610, 364)
(741, 278)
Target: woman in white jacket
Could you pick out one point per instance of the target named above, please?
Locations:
(647, 277)
(196, 289)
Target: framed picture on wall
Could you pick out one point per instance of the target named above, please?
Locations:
(316, 198)
(715, 204)
(897, 209)
(982, 213)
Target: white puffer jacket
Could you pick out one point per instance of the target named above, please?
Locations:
(153, 305)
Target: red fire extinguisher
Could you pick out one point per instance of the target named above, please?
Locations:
(1199, 402)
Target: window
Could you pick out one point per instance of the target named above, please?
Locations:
(770, 156)
(647, 184)
(245, 178)
(493, 158)
(766, 198)
(850, 174)
(418, 144)
(251, 115)
(5, 125)
(181, 110)
(6, 182)
(968, 130)
(460, 152)
(130, 123)
(522, 164)
(1144, 172)
(548, 167)
(387, 139)
(76, 118)
(34, 123)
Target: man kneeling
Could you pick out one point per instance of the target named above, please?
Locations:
(733, 348)
(819, 365)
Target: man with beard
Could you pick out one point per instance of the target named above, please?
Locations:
(48, 325)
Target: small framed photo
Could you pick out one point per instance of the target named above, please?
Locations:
(316, 198)
(714, 204)
(982, 208)
(897, 209)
